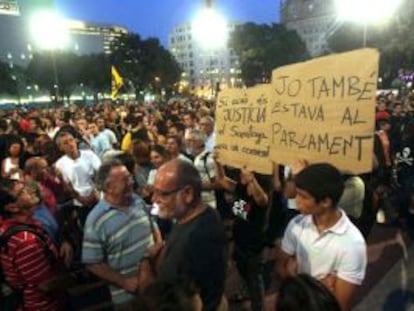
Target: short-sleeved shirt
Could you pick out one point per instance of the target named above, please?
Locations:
(80, 172)
(197, 250)
(118, 238)
(339, 250)
(100, 144)
(26, 265)
(204, 164)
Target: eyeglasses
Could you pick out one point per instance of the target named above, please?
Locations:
(166, 193)
(21, 191)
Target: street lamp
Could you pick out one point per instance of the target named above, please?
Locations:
(49, 32)
(210, 31)
(366, 12)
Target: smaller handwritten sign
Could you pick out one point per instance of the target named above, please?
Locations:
(243, 136)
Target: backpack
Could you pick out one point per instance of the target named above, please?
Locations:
(11, 298)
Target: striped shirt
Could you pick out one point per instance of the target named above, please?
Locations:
(118, 238)
(25, 266)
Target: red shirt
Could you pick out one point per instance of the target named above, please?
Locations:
(382, 115)
(26, 265)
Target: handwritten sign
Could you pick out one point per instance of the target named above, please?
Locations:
(323, 110)
(242, 125)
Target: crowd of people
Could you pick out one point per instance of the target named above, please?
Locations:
(134, 196)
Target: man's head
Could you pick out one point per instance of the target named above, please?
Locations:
(81, 124)
(382, 105)
(383, 125)
(176, 129)
(319, 188)
(36, 168)
(174, 145)
(114, 179)
(397, 109)
(93, 128)
(195, 142)
(207, 125)
(100, 122)
(190, 119)
(177, 189)
(67, 144)
(17, 198)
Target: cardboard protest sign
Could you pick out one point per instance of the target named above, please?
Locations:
(242, 128)
(323, 110)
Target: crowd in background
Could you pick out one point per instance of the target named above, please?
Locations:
(72, 167)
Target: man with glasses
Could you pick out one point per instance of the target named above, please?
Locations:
(118, 231)
(207, 126)
(28, 257)
(196, 248)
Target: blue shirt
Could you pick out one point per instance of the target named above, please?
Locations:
(118, 238)
(100, 144)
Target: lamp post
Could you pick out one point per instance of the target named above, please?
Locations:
(50, 33)
(367, 12)
(210, 31)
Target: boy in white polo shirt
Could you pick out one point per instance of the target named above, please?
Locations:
(322, 241)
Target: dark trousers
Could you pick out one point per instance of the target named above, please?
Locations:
(250, 267)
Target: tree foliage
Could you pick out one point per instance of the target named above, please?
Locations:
(8, 85)
(69, 70)
(262, 48)
(394, 39)
(145, 63)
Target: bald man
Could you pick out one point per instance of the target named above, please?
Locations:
(196, 248)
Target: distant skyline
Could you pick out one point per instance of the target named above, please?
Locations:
(157, 18)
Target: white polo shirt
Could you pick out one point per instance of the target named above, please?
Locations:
(339, 250)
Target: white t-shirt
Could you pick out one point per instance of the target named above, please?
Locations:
(80, 172)
(339, 250)
(208, 196)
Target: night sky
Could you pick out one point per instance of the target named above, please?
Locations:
(157, 18)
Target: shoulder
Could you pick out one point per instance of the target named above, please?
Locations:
(22, 237)
(87, 153)
(137, 201)
(354, 235)
(208, 225)
(62, 160)
(97, 213)
(300, 221)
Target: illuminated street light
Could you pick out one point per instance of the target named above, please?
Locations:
(366, 12)
(49, 32)
(210, 29)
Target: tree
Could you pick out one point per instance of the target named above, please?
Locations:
(8, 85)
(394, 40)
(70, 70)
(145, 63)
(95, 72)
(46, 68)
(262, 48)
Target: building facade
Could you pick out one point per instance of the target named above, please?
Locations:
(201, 67)
(17, 46)
(88, 38)
(313, 20)
(9, 7)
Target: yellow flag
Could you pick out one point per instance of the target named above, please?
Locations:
(117, 82)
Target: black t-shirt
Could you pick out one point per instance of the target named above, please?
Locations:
(251, 219)
(405, 158)
(197, 251)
